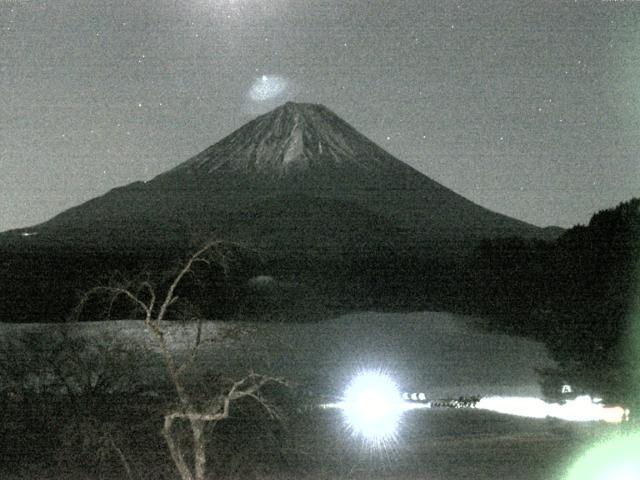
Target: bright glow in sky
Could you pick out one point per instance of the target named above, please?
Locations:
(538, 123)
(267, 87)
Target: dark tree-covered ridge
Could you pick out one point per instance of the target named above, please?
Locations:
(578, 294)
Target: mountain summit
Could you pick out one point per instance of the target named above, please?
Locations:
(328, 210)
(297, 179)
(289, 140)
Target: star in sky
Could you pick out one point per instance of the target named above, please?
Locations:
(176, 77)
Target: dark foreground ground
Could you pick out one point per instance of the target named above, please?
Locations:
(455, 444)
(46, 436)
(439, 445)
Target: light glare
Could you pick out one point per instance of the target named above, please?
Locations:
(372, 406)
(613, 459)
(581, 409)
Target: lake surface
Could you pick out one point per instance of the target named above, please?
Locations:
(438, 353)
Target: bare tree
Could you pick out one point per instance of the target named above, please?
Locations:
(143, 295)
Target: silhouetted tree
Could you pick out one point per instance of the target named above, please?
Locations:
(154, 307)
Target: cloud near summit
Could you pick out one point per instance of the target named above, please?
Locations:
(268, 91)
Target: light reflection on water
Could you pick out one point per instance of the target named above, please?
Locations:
(580, 409)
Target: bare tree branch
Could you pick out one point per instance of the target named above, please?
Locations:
(143, 295)
(121, 456)
(113, 293)
(169, 298)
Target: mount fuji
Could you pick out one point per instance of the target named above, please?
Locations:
(297, 179)
(324, 206)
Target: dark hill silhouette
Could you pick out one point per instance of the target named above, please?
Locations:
(578, 294)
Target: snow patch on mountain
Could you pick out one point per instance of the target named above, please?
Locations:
(293, 137)
(295, 151)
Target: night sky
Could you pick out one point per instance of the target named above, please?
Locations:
(530, 108)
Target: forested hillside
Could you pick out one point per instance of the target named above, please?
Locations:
(579, 294)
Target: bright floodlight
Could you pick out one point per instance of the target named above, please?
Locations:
(580, 409)
(373, 406)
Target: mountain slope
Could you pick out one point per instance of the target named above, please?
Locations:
(327, 209)
(295, 152)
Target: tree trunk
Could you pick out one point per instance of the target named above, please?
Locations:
(200, 454)
(174, 449)
(122, 457)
